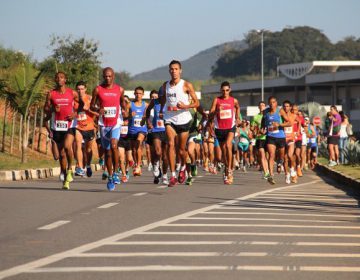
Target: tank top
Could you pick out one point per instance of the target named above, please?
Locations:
(313, 137)
(277, 132)
(65, 101)
(343, 133)
(158, 124)
(175, 94)
(134, 124)
(109, 101)
(225, 116)
(85, 120)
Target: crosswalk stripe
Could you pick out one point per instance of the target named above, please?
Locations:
(276, 214)
(262, 225)
(263, 219)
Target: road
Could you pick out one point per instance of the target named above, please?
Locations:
(206, 231)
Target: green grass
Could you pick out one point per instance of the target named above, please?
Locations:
(352, 171)
(9, 162)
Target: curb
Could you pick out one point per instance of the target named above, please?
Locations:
(33, 174)
(337, 176)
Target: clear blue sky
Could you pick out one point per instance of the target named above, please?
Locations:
(139, 35)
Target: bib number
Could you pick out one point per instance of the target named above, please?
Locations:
(160, 123)
(81, 116)
(244, 140)
(124, 130)
(288, 129)
(313, 140)
(225, 114)
(137, 122)
(109, 112)
(273, 129)
(61, 125)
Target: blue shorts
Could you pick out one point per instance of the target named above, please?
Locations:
(216, 143)
(108, 133)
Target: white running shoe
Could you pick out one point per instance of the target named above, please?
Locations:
(150, 167)
(62, 177)
(165, 180)
(287, 178)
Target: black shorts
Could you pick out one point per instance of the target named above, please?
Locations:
(334, 140)
(298, 144)
(159, 135)
(278, 142)
(179, 128)
(260, 144)
(135, 136)
(59, 136)
(235, 145)
(124, 143)
(87, 135)
(222, 134)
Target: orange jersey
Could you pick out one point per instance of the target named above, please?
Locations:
(85, 120)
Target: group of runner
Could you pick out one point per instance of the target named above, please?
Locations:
(178, 132)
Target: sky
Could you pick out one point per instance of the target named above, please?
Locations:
(139, 35)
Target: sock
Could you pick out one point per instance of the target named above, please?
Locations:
(183, 167)
(173, 174)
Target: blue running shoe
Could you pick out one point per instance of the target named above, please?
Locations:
(116, 178)
(88, 171)
(78, 171)
(105, 175)
(110, 184)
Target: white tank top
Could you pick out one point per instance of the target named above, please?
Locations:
(174, 95)
(343, 133)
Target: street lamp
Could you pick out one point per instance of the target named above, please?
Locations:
(262, 62)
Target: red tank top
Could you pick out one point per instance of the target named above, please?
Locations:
(225, 116)
(299, 122)
(109, 101)
(65, 101)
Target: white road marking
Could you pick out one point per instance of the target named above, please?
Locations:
(53, 225)
(257, 219)
(108, 205)
(276, 214)
(140, 194)
(162, 187)
(199, 268)
(308, 199)
(261, 225)
(199, 176)
(173, 243)
(288, 205)
(220, 233)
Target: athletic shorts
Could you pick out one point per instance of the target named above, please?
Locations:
(124, 143)
(158, 135)
(334, 140)
(298, 144)
(135, 136)
(235, 144)
(243, 146)
(278, 142)
(179, 128)
(87, 135)
(108, 133)
(216, 143)
(59, 136)
(260, 144)
(222, 134)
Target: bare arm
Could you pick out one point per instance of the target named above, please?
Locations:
(237, 111)
(212, 111)
(190, 90)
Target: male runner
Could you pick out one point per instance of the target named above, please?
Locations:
(177, 117)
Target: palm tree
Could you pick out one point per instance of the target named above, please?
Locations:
(27, 85)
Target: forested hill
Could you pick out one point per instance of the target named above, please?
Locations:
(291, 45)
(197, 67)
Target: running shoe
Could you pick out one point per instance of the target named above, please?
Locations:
(331, 163)
(105, 175)
(182, 177)
(62, 177)
(150, 167)
(299, 172)
(116, 178)
(226, 181)
(69, 176)
(293, 175)
(110, 184)
(230, 179)
(306, 167)
(244, 169)
(287, 178)
(131, 163)
(137, 171)
(79, 172)
(124, 179)
(173, 182)
(66, 185)
(88, 171)
(156, 171)
(165, 180)
(278, 169)
(271, 180)
(189, 181)
(101, 162)
(266, 175)
(193, 170)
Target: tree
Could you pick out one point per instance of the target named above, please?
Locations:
(27, 86)
(77, 57)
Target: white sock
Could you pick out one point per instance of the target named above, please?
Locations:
(183, 167)
(173, 174)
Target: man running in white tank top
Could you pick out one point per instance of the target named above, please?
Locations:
(175, 105)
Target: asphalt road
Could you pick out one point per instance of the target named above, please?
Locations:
(250, 230)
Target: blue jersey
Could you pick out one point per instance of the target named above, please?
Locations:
(158, 124)
(313, 138)
(276, 132)
(135, 120)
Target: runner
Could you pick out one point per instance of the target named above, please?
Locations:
(110, 97)
(85, 131)
(226, 111)
(158, 138)
(177, 117)
(261, 140)
(274, 121)
(61, 103)
(312, 134)
(290, 175)
(298, 130)
(137, 131)
(244, 144)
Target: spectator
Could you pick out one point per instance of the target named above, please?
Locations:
(333, 124)
(343, 136)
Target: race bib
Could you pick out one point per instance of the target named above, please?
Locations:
(109, 112)
(61, 125)
(124, 130)
(313, 140)
(160, 123)
(225, 114)
(288, 129)
(273, 129)
(137, 122)
(244, 140)
(81, 116)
